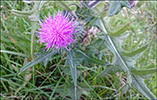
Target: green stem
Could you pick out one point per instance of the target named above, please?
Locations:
(34, 27)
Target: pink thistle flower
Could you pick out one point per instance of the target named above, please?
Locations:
(57, 31)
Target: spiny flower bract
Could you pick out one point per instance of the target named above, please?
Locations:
(57, 30)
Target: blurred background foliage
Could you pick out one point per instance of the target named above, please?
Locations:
(38, 82)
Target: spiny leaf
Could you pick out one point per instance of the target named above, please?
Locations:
(121, 31)
(33, 14)
(72, 61)
(26, 13)
(108, 70)
(140, 86)
(125, 62)
(116, 6)
(89, 58)
(43, 53)
(142, 72)
(133, 53)
(96, 44)
(41, 58)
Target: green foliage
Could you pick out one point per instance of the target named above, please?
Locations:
(68, 89)
(143, 72)
(88, 59)
(116, 6)
(117, 62)
(125, 62)
(72, 61)
(33, 14)
(43, 57)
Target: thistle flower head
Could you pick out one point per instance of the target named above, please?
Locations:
(57, 30)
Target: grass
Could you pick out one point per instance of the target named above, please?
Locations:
(42, 82)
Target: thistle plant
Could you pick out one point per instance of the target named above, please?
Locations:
(57, 31)
(72, 66)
